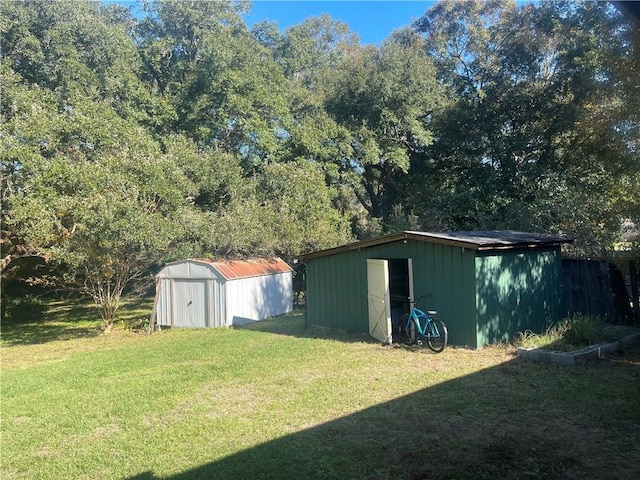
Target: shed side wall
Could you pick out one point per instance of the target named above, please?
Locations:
(256, 298)
(446, 274)
(517, 291)
(336, 294)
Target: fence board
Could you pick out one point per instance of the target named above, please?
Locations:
(587, 289)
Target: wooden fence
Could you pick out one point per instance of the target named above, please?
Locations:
(599, 288)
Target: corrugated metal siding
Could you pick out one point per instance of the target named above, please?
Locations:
(217, 304)
(189, 269)
(195, 303)
(189, 281)
(447, 273)
(483, 297)
(337, 296)
(164, 310)
(477, 240)
(517, 291)
(257, 298)
(336, 292)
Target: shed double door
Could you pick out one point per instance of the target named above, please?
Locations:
(190, 303)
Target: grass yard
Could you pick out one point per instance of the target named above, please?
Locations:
(276, 401)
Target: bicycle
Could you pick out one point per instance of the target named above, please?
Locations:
(426, 327)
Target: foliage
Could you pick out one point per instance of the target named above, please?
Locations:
(310, 50)
(105, 222)
(27, 306)
(86, 187)
(224, 88)
(582, 329)
(128, 141)
(286, 211)
(301, 209)
(384, 98)
(531, 140)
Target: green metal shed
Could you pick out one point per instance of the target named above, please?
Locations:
(486, 286)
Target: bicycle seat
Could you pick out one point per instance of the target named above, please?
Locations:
(432, 312)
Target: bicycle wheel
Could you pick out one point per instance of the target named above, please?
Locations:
(436, 335)
(409, 328)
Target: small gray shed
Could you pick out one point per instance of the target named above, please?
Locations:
(201, 293)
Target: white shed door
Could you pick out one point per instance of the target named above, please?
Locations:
(379, 301)
(190, 303)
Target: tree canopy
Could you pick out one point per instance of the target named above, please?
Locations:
(129, 140)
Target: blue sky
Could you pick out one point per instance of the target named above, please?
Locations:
(372, 20)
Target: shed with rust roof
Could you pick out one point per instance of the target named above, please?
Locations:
(200, 293)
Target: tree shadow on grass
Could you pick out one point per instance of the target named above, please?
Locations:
(514, 420)
(33, 320)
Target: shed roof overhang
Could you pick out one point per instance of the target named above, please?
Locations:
(476, 240)
(236, 269)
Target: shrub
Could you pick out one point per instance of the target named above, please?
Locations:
(582, 329)
(27, 308)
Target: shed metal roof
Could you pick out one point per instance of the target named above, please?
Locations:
(256, 267)
(476, 240)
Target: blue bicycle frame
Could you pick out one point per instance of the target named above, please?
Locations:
(432, 330)
(416, 315)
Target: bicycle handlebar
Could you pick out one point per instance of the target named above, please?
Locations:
(426, 295)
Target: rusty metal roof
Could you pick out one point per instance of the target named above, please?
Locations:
(256, 267)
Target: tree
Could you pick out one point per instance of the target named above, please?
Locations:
(308, 51)
(386, 98)
(225, 90)
(531, 140)
(301, 217)
(284, 209)
(103, 217)
(84, 186)
(76, 48)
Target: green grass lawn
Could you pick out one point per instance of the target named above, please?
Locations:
(278, 401)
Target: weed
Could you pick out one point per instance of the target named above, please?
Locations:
(582, 330)
(572, 333)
